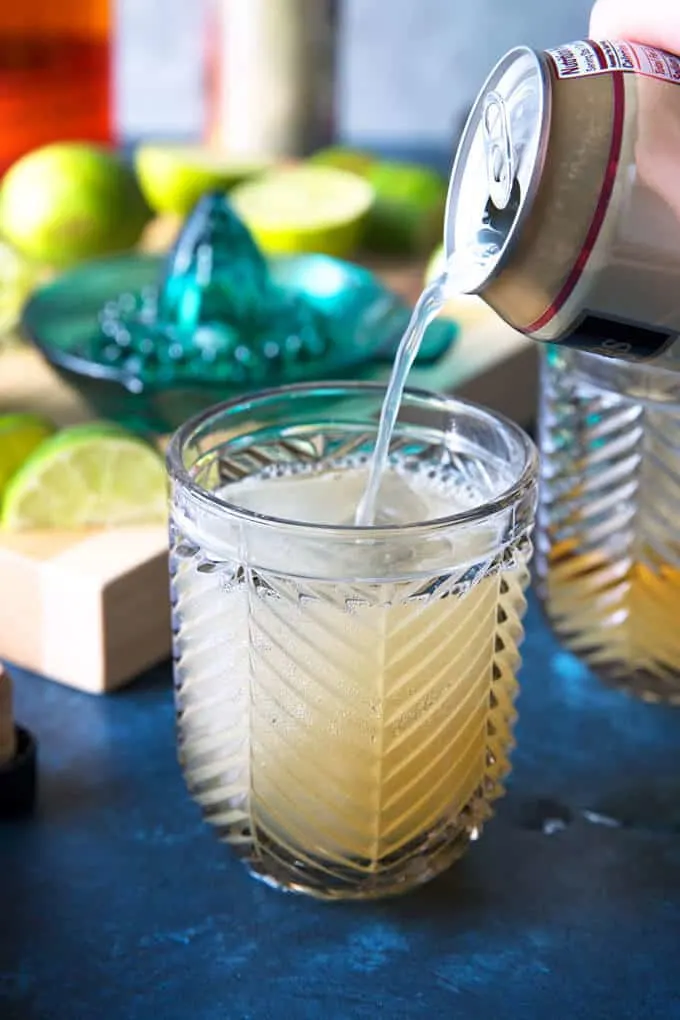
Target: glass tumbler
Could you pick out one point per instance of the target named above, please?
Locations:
(345, 695)
(608, 535)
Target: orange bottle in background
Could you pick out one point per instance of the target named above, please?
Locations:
(55, 74)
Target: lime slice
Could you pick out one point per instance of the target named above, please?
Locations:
(87, 476)
(20, 434)
(408, 215)
(305, 208)
(174, 177)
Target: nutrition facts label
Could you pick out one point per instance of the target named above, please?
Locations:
(581, 59)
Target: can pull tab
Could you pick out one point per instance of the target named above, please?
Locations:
(500, 155)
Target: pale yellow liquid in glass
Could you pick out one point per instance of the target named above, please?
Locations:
(345, 724)
(620, 614)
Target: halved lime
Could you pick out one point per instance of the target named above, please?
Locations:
(305, 208)
(20, 434)
(174, 177)
(87, 476)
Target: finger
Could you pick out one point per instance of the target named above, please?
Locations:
(653, 23)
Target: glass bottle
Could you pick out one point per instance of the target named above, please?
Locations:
(608, 530)
(55, 74)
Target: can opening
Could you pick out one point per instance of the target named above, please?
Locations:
(499, 162)
(501, 168)
(497, 223)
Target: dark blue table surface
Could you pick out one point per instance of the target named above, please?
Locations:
(117, 902)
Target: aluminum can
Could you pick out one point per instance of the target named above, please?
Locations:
(569, 166)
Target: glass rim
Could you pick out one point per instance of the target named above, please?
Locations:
(249, 402)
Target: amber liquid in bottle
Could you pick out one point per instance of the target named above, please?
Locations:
(55, 74)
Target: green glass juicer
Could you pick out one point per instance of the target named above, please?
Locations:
(150, 341)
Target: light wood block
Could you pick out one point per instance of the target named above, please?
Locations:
(88, 609)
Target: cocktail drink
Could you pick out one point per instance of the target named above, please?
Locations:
(608, 542)
(345, 694)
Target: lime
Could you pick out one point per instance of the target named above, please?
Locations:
(407, 217)
(86, 476)
(174, 177)
(344, 158)
(305, 208)
(69, 201)
(20, 434)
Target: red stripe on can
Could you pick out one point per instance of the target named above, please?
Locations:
(600, 209)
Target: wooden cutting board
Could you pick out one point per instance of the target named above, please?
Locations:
(91, 609)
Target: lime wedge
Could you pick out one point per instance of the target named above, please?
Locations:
(87, 476)
(174, 177)
(20, 434)
(305, 208)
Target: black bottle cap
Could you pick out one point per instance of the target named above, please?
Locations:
(18, 777)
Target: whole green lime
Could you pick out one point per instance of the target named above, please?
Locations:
(69, 201)
(408, 213)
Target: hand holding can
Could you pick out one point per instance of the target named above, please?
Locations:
(656, 23)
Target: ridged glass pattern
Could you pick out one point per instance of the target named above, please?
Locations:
(346, 738)
(608, 545)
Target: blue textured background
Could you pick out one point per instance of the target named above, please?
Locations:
(408, 68)
(117, 903)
